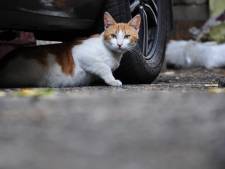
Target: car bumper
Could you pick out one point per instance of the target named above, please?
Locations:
(23, 15)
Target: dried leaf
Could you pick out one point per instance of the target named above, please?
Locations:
(216, 90)
(34, 92)
(2, 94)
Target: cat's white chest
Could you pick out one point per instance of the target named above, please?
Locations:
(114, 63)
(111, 60)
(94, 52)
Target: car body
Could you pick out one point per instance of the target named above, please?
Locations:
(49, 15)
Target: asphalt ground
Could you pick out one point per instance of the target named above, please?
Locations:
(177, 122)
(183, 80)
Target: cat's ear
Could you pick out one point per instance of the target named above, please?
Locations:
(135, 22)
(108, 20)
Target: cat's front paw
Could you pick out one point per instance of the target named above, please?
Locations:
(116, 83)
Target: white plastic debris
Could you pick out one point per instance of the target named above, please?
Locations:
(43, 42)
(186, 54)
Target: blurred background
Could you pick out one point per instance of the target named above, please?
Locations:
(194, 13)
(197, 42)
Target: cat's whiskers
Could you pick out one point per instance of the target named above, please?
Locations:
(132, 51)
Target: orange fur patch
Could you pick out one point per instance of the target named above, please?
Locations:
(63, 54)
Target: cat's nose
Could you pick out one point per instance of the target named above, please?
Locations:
(119, 45)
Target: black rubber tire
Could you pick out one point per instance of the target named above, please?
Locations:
(135, 68)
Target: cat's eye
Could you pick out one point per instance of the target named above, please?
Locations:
(113, 36)
(126, 36)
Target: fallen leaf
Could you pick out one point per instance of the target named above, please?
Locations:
(2, 94)
(34, 92)
(216, 90)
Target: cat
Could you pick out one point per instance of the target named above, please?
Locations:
(191, 53)
(71, 64)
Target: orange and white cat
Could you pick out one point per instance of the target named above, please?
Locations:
(72, 64)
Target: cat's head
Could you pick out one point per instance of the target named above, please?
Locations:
(121, 37)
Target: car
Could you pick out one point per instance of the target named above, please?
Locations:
(65, 19)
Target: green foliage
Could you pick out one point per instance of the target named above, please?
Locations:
(217, 33)
(216, 7)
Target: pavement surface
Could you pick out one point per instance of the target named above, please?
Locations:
(177, 122)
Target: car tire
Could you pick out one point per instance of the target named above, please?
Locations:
(143, 64)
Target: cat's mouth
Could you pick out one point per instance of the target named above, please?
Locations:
(121, 49)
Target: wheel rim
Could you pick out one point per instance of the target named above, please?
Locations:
(150, 25)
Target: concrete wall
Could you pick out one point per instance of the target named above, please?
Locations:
(187, 14)
(191, 10)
